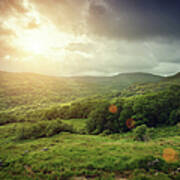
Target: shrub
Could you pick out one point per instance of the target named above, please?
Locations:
(153, 109)
(140, 133)
(76, 110)
(57, 127)
(150, 162)
(174, 117)
(178, 125)
(150, 133)
(126, 113)
(102, 119)
(43, 129)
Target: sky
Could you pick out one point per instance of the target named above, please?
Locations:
(90, 37)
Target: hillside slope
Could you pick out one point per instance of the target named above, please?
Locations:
(138, 136)
(143, 88)
(28, 88)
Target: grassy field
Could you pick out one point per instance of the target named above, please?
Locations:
(55, 132)
(75, 156)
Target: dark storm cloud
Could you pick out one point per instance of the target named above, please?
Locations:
(168, 60)
(117, 19)
(135, 19)
(110, 36)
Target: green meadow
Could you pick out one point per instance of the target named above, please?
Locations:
(76, 156)
(47, 132)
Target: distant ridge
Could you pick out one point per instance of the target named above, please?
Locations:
(176, 76)
(30, 88)
(87, 76)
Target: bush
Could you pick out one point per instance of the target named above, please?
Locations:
(77, 110)
(150, 133)
(126, 113)
(174, 117)
(153, 109)
(150, 162)
(102, 119)
(57, 127)
(178, 125)
(43, 129)
(140, 133)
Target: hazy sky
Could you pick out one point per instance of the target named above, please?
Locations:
(90, 37)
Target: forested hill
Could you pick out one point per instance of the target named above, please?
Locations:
(120, 81)
(29, 88)
(175, 77)
(144, 88)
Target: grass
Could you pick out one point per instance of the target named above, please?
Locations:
(50, 153)
(75, 156)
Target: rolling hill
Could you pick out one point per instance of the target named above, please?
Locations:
(143, 88)
(29, 88)
(42, 137)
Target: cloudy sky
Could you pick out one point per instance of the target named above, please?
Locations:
(90, 37)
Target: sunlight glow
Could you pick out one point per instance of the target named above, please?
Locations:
(43, 40)
(36, 37)
(170, 155)
(34, 41)
(113, 109)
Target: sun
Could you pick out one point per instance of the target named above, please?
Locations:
(35, 42)
(35, 47)
(44, 40)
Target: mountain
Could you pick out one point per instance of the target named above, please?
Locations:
(175, 77)
(143, 88)
(120, 81)
(29, 88)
